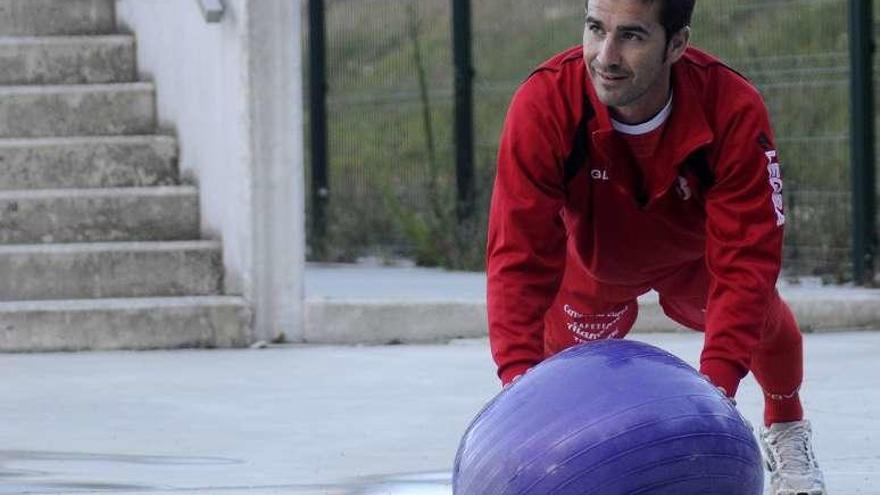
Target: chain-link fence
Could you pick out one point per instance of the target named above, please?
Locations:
(796, 53)
(391, 158)
(390, 111)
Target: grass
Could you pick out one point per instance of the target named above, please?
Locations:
(795, 51)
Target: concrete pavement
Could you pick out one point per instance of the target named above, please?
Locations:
(310, 420)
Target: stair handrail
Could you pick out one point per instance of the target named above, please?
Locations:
(212, 10)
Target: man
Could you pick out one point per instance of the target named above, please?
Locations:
(635, 162)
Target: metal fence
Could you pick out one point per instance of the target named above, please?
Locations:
(391, 150)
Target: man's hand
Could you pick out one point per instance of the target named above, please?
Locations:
(514, 379)
(726, 395)
(722, 390)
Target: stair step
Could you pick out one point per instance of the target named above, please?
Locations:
(88, 162)
(56, 17)
(116, 269)
(77, 110)
(111, 324)
(67, 60)
(90, 215)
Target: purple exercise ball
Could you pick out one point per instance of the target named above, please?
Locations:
(612, 417)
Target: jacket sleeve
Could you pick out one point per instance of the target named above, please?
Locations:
(744, 240)
(526, 237)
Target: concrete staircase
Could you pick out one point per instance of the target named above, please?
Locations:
(99, 242)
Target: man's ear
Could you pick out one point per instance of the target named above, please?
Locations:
(678, 44)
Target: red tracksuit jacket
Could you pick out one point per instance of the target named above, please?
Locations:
(627, 227)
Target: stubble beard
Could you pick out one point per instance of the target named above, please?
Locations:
(618, 97)
(629, 93)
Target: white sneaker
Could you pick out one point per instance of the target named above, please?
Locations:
(788, 452)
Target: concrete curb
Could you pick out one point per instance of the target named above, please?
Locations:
(128, 323)
(338, 321)
(392, 322)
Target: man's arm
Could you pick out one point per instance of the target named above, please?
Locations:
(526, 245)
(744, 240)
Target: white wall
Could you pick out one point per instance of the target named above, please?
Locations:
(232, 94)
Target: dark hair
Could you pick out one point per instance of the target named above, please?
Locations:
(674, 14)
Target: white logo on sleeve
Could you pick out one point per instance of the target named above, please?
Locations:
(776, 184)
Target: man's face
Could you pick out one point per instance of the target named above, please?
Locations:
(627, 55)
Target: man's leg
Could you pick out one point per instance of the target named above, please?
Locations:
(778, 364)
(569, 323)
(585, 309)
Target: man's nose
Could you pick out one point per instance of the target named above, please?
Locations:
(609, 52)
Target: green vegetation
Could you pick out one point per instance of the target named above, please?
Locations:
(391, 144)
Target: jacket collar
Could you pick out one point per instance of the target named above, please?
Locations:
(686, 131)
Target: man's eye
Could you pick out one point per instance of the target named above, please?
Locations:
(632, 37)
(595, 29)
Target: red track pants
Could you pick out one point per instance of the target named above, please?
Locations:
(586, 310)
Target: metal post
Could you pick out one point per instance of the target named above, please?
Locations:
(318, 125)
(464, 127)
(862, 141)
